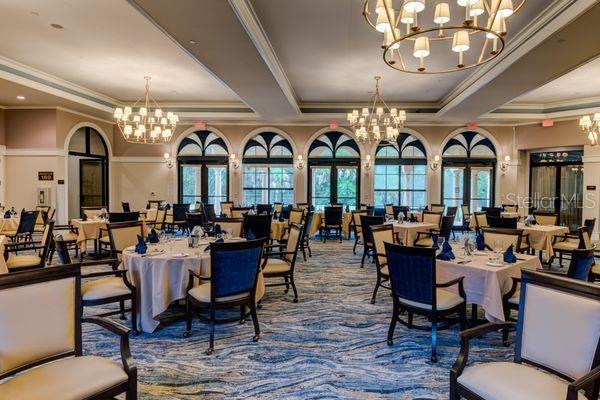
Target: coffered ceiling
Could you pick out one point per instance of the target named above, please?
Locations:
(286, 61)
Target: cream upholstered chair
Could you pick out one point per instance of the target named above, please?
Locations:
(42, 328)
(159, 222)
(505, 237)
(22, 262)
(92, 211)
(232, 225)
(46, 213)
(511, 208)
(389, 210)
(277, 208)
(480, 220)
(466, 217)
(557, 350)
(239, 212)
(226, 207)
(356, 227)
(381, 234)
(296, 217)
(123, 235)
(302, 206)
(568, 242)
(546, 218)
(438, 208)
(433, 217)
(280, 260)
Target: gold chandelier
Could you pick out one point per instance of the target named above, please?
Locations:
(409, 37)
(591, 127)
(378, 121)
(145, 122)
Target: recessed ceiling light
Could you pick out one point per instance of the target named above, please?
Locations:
(56, 26)
(193, 41)
(20, 97)
(37, 14)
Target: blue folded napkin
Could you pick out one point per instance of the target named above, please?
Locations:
(167, 207)
(446, 253)
(479, 242)
(141, 246)
(7, 214)
(275, 215)
(509, 255)
(281, 219)
(153, 236)
(217, 229)
(250, 235)
(435, 237)
(220, 240)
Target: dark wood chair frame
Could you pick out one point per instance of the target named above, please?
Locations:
(74, 271)
(91, 208)
(445, 230)
(352, 227)
(522, 238)
(26, 226)
(305, 242)
(503, 207)
(466, 219)
(326, 226)
(71, 244)
(381, 277)
(547, 214)
(213, 306)
(278, 251)
(33, 245)
(368, 246)
(434, 314)
(194, 219)
(579, 236)
(589, 382)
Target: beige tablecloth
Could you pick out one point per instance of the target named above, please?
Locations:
(88, 230)
(9, 224)
(407, 231)
(162, 279)
(277, 228)
(319, 218)
(541, 236)
(485, 285)
(506, 214)
(3, 267)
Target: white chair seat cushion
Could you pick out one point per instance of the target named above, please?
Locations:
(202, 294)
(515, 298)
(424, 242)
(507, 380)
(566, 245)
(445, 301)
(69, 378)
(22, 261)
(104, 288)
(104, 239)
(68, 236)
(276, 265)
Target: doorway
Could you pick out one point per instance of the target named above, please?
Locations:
(467, 183)
(203, 181)
(334, 183)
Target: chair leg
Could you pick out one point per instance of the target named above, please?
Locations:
(434, 358)
(287, 284)
(560, 259)
(134, 315)
(362, 261)
(303, 252)
(463, 317)
(377, 284)
(410, 319)
(211, 340)
(242, 314)
(188, 318)
(255, 322)
(355, 243)
(122, 308)
(294, 289)
(395, 314)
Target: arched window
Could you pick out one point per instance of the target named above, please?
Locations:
(334, 170)
(401, 172)
(203, 168)
(468, 172)
(268, 170)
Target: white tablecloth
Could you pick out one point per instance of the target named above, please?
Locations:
(88, 230)
(162, 279)
(541, 236)
(485, 285)
(407, 231)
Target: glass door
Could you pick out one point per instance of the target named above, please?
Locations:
(543, 188)
(481, 187)
(92, 181)
(203, 182)
(453, 191)
(320, 187)
(347, 186)
(216, 186)
(191, 183)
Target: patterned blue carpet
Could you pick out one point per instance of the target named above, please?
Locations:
(332, 344)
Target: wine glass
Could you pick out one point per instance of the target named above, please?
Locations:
(497, 249)
(440, 242)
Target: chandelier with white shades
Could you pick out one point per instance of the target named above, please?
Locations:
(412, 31)
(591, 127)
(145, 122)
(377, 122)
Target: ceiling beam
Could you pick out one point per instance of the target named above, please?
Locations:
(222, 45)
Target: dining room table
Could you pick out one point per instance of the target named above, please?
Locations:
(88, 230)
(408, 231)
(161, 275)
(9, 224)
(485, 280)
(542, 236)
(278, 228)
(319, 218)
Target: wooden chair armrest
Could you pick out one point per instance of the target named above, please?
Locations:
(451, 282)
(513, 289)
(123, 332)
(278, 253)
(586, 381)
(117, 272)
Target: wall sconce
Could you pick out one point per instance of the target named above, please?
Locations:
(368, 164)
(168, 160)
(435, 163)
(505, 164)
(300, 162)
(235, 163)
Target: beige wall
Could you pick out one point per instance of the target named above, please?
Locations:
(27, 129)
(563, 133)
(2, 126)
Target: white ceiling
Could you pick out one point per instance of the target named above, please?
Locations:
(106, 46)
(583, 82)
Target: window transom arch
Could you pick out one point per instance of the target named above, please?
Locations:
(406, 146)
(267, 145)
(203, 143)
(469, 144)
(334, 145)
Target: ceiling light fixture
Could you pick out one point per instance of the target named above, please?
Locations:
(408, 39)
(147, 123)
(377, 122)
(20, 97)
(591, 127)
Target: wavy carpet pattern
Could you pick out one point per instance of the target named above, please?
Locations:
(331, 344)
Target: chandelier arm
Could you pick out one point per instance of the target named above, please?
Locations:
(493, 16)
(483, 48)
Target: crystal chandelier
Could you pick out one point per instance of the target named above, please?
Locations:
(377, 122)
(412, 32)
(591, 127)
(145, 122)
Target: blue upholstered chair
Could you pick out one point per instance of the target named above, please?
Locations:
(412, 274)
(232, 283)
(557, 349)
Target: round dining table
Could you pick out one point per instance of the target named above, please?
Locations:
(161, 276)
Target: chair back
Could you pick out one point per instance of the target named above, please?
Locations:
(209, 212)
(559, 324)
(466, 211)
(492, 211)
(27, 222)
(451, 211)
(124, 234)
(433, 217)
(590, 224)
(92, 211)
(179, 212)
(293, 243)
(42, 217)
(366, 222)
(502, 236)
(446, 228)
(43, 321)
(239, 212)
(45, 241)
(389, 210)
(193, 220)
(440, 208)
(356, 220)
(277, 207)
(371, 210)
(296, 216)
(501, 222)
(382, 234)
(154, 204)
(481, 220)
(124, 216)
(226, 207)
(412, 273)
(333, 215)
(161, 215)
(404, 210)
(584, 238)
(302, 206)
(234, 268)
(285, 211)
(308, 218)
(581, 263)
(232, 225)
(546, 218)
(62, 251)
(125, 206)
(259, 225)
(511, 208)
(264, 208)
